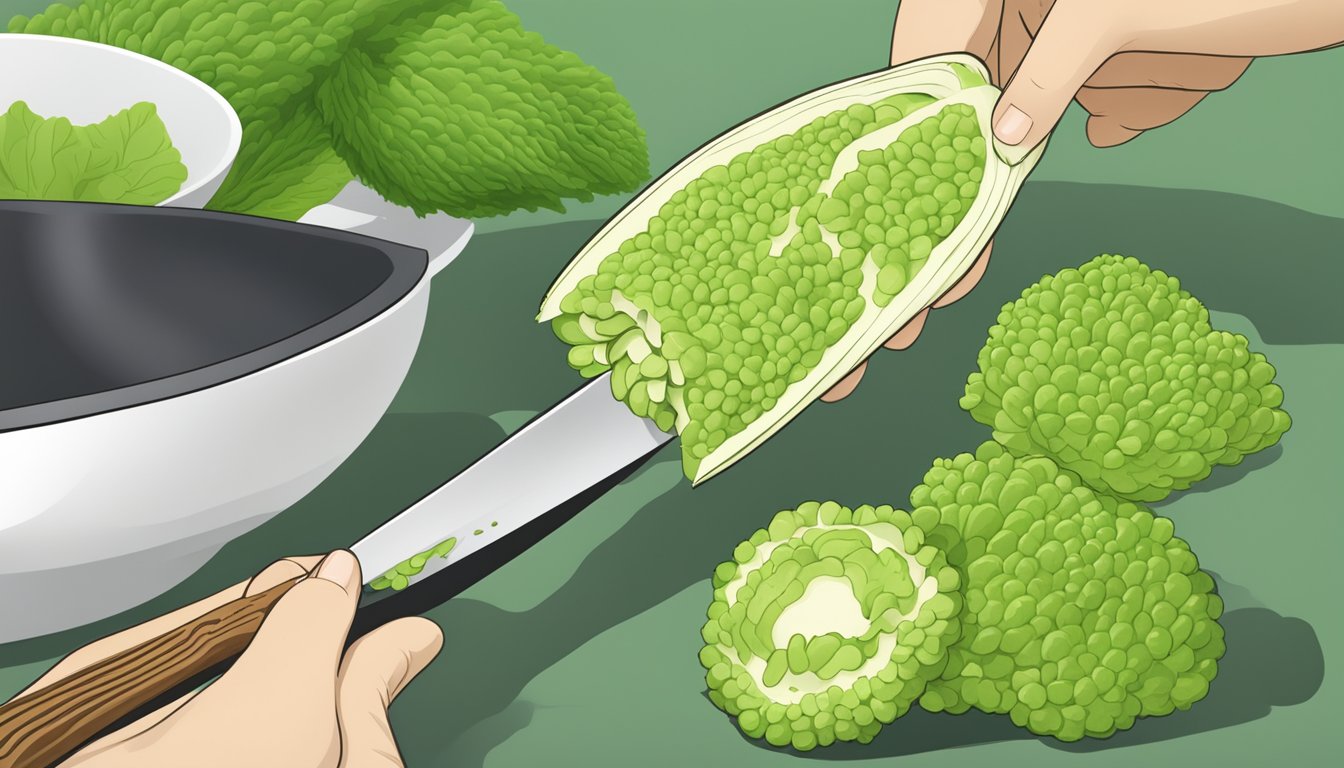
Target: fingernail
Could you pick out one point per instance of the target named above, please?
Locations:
(338, 568)
(1013, 126)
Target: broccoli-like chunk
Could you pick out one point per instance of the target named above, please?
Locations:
(1011, 588)
(826, 625)
(1113, 371)
(1081, 613)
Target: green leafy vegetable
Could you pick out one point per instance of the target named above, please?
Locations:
(749, 279)
(126, 158)
(447, 106)
(1113, 371)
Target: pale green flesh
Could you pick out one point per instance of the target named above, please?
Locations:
(736, 290)
(827, 606)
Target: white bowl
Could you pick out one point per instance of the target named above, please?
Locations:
(86, 82)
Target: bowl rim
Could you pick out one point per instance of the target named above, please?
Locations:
(235, 126)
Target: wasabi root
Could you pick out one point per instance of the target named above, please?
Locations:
(756, 274)
(828, 624)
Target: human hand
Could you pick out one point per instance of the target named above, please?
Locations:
(294, 699)
(1134, 65)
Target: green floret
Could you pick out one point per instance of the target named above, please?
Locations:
(744, 279)
(827, 625)
(1113, 371)
(1082, 612)
(447, 106)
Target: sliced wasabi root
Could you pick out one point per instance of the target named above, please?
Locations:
(754, 275)
(827, 625)
(1082, 612)
(1011, 588)
(399, 577)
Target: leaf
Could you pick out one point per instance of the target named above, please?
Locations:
(126, 158)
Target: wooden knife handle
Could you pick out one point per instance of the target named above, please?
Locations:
(39, 729)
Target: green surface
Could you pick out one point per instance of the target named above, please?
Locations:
(583, 651)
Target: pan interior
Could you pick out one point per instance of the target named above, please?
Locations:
(98, 298)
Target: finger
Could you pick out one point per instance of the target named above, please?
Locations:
(903, 338)
(1139, 109)
(1015, 35)
(1108, 132)
(845, 387)
(377, 667)
(930, 27)
(280, 570)
(994, 62)
(1073, 41)
(968, 281)
(299, 645)
(1191, 72)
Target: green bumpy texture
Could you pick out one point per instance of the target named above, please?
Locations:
(750, 273)
(439, 106)
(1114, 371)
(795, 694)
(1082, 612)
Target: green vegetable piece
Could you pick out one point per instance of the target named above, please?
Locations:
(128, 157)
(1030, 648)
(827, 677)
(761, 263)
(1115, 352)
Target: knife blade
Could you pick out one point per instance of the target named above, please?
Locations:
(563, 455)
(575, 445)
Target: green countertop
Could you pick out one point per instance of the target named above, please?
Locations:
(583, 650)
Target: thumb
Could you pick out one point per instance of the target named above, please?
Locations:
(299, 645)
(377, 667)
(1074, 40)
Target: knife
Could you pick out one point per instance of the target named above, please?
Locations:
(495, 509)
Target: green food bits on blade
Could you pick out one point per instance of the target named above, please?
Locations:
(399, 576)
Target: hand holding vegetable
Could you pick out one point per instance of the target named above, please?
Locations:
(1134, 65)
(294, 698)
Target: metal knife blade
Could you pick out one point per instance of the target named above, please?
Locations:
(575, 445)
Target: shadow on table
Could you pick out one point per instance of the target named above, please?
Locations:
(1223, 476)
